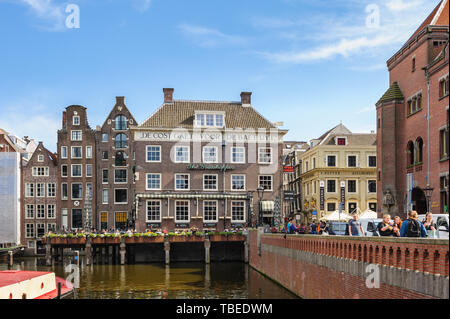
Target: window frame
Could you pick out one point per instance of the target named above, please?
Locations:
(147, 151)
(188, 211)
(217, 182)
(232, 153)
(216, 220)
(188, 182)
(243, 211)
(231, 182)
(147, 220)
(146, 182)
(216, 160)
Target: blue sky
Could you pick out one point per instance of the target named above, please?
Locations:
(310, 64)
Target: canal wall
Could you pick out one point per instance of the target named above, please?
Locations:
(333, 267)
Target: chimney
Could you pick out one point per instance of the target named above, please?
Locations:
(64, 120)
(168, 95)
(246, 99)
(120, 100)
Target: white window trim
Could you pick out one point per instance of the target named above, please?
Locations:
(231, 155)
(217, 182)
(26, 211)
(146, 211)
(217, 211)
(26, 230)
(54, 211)
(73, 120)
(120, 169)
(67, 197)
(188, 151)
(67, 170)
(231, 183)
(120, 203)
(40, 158)
(92, 170)
(27, 188)
(146, 182)
(358, 164)
(356, 186)
(71, 191)
(203, 154)
(71, 135)
(107, 138)
(37, 210)
(271, 155)
(339, 137)
(175, 182)
(376, 160)
(107, 182)
(245, 212)
(71, 170)
(259, 184)
(44, 190)
(214, 113)
(103, 197)
(87, 147)
(71, 152)
(146, 154)
(100, 218)
(376, 186)
(48, 187)
(335, 161)
(336, 186)
(189, 211)
(62, 152)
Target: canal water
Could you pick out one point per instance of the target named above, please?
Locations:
(225, 280)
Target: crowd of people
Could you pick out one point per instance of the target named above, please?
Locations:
(388, 227)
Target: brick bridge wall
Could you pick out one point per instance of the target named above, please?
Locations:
(322, 267)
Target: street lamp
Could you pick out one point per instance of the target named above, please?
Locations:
(428, 191)
(260, 191)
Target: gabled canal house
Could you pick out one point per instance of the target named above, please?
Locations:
(115, 165)
(199, 165)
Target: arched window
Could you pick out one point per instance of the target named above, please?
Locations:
(121, 159)
(419, 150)
(120, 122)
(121, 141)
(410, 153)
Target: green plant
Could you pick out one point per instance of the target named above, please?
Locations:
(172, 234)
(80, 235)
(199, 233)
(210, 233)
(189, 233)
(92, 235)
(70, 235)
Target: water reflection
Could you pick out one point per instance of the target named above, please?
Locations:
(179, 280)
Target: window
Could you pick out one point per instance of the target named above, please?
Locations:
(76, 151)
(443, 87)
(373, 207)
(64, 191)
(238, 154)
(153, 153)
(120, 122)
(153, 181)
(51, 190)
(64, 152)
(104, 220)
(200, 119)
(88, 170)
(29, 231)
(29, 211)
(51, 209)
(372, 161)
(181, 211)
(314, 162)
(331, 186)
(238, 182)
(40, 211)
(331, 207)
(40, 230)
(120, 176)
(51, 227)
(77, 218)
(219, 120)
(331, 160)
(121, 141)
(237, 211)
(40, 171)
(351, 186)
(104, 196)
(306, 166)
(105, 176)
(443, 144)
(77, 170)
(76, 120)
(88, 151)
(351, 161)
(265, 181)
(77, 191)
(410, 153)
(76, 135)
(341, 141)
(209, 120)
(64, 172)
(104, 137)
(40, 158)
(182, 154)
(64, 218)
(372, 186)
(29, 190)
(104, 155)
(414, 104)
(209, 211)
(444, 195)
(265, 155)
(210, 154)
(181, 181)
(40, 189)
(120, 159)
(413, 64)
(210, 182)
(153, 211)
(419, 150)
(120, 196)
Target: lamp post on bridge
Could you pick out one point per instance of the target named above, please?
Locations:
(428, 192)
(260, 191)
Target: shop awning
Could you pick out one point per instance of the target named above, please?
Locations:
(192, 196)
(267, 205)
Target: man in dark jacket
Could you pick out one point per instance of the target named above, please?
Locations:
(412, 227)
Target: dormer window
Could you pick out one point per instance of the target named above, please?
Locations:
(76, 120)
(209, 119)
(40, 158)
(341, 141)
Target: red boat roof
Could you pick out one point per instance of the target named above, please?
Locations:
(9, 277)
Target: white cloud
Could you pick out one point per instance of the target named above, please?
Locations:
(142, 5)
(400, 5)
(50, 13)
(207, 37)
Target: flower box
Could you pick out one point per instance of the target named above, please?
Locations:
(236, 237)
(217, 237)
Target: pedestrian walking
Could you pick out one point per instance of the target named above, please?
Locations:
(354, 226)
(313, 228)
(386, 227)
(397, 226)
(411, 227)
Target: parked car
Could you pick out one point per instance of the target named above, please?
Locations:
(337, 228)
(441, 221)
(370, 226)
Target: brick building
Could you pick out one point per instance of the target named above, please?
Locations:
(76, 169)
(40, 203)
(413, 121)
(199, 164)
(115, 168)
